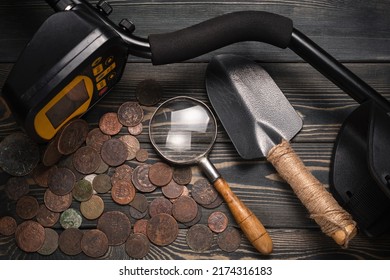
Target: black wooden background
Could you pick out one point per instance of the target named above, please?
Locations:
(355, 32)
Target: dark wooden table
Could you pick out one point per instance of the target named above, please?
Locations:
(356, 32)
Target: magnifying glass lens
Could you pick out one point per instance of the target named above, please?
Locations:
(183, 130)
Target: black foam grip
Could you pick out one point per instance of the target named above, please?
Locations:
(219, 32)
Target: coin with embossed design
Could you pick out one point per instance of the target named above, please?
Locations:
(132, 145)
(137, 245)
(203, 192)
(160, 174)
(122, 172)
(71, 218)
(109, 123)
(135, 130)
(86, 160)
(182, 175)
(69, 241)
(123, 192)
(140, 226)
(61, 181)
(46, 217)
(217, 221)
(102, 183)
(116, 226)
(229, 240)
(142, 155)
(30, 236)
(160, 205)
(184, 209)
(94, 243)
(130, 113)
(172, 190)
(140, 179)
(7, 225)
(82, 190)
(199, 238)
(57, 203)
(96, 138)
(27, 207)
(92, 208)
(114, 152)
(162, 229)
(72, 136)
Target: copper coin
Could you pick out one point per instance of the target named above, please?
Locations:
(27, 207)
(140, 179)
(103, 168)
(135, 130)
(46, 217)
(160, 205)
(16, 187)
(185, 192)
(217, 202)
(123, 172)
(196, 219)
(72, 136)
(142, 155)
(94, 243)
(41, 174)
(30, 236)
(71, 218)
(136, 214)
(130, 113)
(132, 145)
(203, 192)
(102, 183)
(96, 138)
(69, 241)
(51, 154)
(162, 229)
(7, 225)
(109, 124)
(149, 92)
(229, 240)
(116, 226)
(114, 152)
(160, 174)
(182, 175)
(50, 244)
(140, 226)
(123, 192)
(184, 209)
(137, 245)
(19, 155)
(61, 181)
(92, 208)
(139, 202)
(82, 190)
(67, 162)
(217, 221)
(86, 160)
(57, 203)
(199, 238)
(172, 190)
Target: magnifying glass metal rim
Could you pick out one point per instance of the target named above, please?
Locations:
(200, 157)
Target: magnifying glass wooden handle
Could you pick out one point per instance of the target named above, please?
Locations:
(248, 222)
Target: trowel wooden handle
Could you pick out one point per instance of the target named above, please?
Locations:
(323, 208)
(248, 222)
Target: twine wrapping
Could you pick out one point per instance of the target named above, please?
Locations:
(333, 220)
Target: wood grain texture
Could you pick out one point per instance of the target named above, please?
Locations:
(356, 32)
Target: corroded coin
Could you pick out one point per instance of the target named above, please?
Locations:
(135, 130)
(46, 217)
(130, 114)
(137, 245)
(50, 243)
(19, 155)
(123, 172)
(140, 179)
(102, 183)
(142, 155)
(162, 229)
(103, 168)
(196, 219)
(140, 226)
(7, 225)
(67, 162)
(217, 202)
(27, 207)
(139, 202)
(61, 181)
(172, 190)
(69, 241)
(51, 155)
(160, 205)
(217, 221)
(109, 124)
(182, 175)
(184, 209)
(57, 203)
(94, 243)
(149, 92)
(114, 152)
(30, 236)
(82, 190)
(199, 238)
(123, 192)
(72, 136)
(229, 240)
(203, 192)
(86, 160)
(132, 145)
(92, 208)
(160, 174)
(41, 174)
(16, 187)
(96, 138)
(137, 214)
(71, 218)
(116, 226)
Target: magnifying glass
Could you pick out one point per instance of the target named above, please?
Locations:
(183, 131)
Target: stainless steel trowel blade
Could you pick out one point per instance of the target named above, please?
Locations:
(253, 110)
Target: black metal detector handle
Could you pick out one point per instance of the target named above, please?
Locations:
(263, 27)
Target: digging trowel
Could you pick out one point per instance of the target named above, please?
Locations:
(260, 122)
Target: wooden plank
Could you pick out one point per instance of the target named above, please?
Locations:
(349, 30)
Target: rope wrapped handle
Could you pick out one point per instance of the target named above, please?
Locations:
(333, 220)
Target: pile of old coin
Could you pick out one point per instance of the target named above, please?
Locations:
(81, 167)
